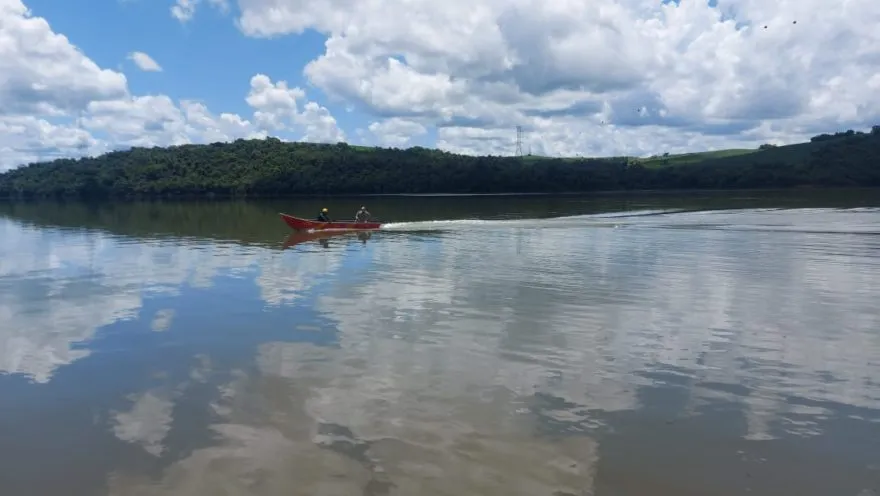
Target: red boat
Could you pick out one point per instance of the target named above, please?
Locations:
(298, 224)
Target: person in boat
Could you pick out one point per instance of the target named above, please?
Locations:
(362, 215)
(323, 216)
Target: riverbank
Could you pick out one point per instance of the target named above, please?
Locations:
(271, 168)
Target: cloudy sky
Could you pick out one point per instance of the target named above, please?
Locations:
(591, 78)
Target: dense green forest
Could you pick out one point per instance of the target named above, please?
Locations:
(272, 168)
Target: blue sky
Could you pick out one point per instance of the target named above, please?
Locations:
(206, 59)
(459, 74)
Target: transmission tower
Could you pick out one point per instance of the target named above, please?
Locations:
(519, 141)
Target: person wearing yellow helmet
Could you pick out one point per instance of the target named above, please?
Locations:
(324, 216)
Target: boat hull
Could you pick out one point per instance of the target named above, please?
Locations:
(299, 224)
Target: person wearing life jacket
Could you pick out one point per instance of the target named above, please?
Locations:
(362, 215)
(323, 217)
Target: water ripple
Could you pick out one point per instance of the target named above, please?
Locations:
(592, 353)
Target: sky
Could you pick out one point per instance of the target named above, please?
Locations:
(617, 77)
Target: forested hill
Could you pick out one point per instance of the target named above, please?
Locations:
(271, 167)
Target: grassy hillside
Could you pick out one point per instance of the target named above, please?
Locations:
(791, 154)
(797, 152)
(693, 158)
(658, 160)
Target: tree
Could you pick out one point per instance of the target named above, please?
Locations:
(270, 167)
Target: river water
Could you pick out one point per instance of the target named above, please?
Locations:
(721, 344)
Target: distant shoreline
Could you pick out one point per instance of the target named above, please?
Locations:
(684, 193)
(271, 169)
(621, 192)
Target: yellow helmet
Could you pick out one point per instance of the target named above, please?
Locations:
(324, 210)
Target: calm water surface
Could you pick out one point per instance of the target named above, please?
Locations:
(721, 344)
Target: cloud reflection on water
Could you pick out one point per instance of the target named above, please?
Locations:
(498, 361)
(59, 287)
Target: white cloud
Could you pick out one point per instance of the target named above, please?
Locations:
(144, 62)
(631, 76)
(27, 139)
(158, 121)
(273, 103)
(320, 126)
(276, 106)
(396, 131)
(42, 73)
(659, 76)
(56, 102)
(185, 10)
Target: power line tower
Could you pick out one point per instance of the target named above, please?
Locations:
(519, 141)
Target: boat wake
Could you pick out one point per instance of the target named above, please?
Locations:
(468, 224)
(591, 220)
(830, 221)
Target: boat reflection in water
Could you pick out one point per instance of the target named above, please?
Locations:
(323, 237)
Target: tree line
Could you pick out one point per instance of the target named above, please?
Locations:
(272, 168)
